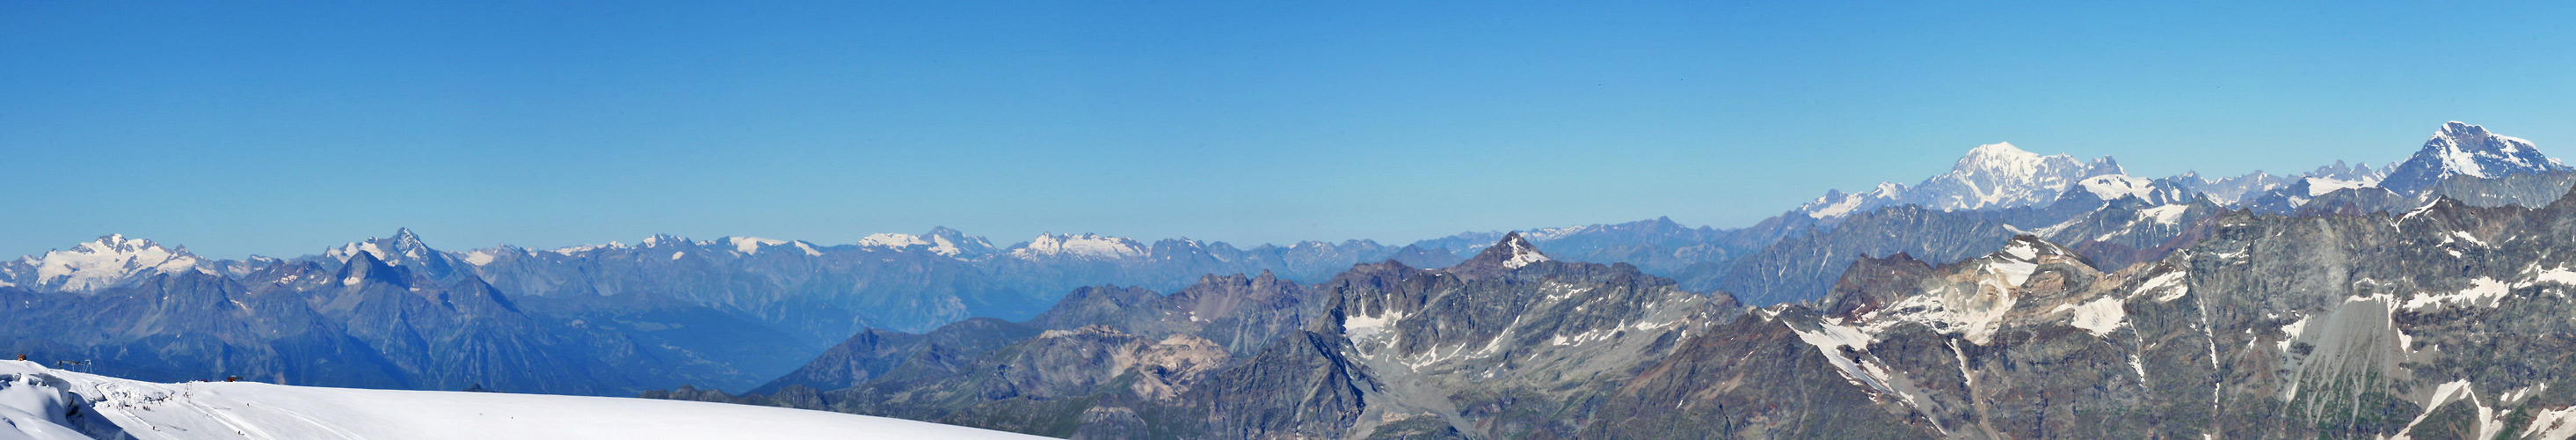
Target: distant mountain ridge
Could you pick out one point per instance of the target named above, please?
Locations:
(1994, 177)
(735, 312)
(2440, 321)
(602, 319)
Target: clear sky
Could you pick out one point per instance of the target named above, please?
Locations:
(257, 127)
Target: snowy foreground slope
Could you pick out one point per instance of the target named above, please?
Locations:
(41, 403)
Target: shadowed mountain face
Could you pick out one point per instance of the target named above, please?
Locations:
(2436, 322)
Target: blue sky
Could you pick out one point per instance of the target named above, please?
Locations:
(238, 128)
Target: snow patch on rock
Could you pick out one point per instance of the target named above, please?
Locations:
(2116, 186)
(2100, 316)
(751, 245)
(2167, 214)
(2482, 291)
(2318, 186)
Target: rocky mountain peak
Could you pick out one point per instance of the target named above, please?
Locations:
(365, 266)
(1513, 252)
(2461, 149)
(405, 236)
(402, 246)
(409, 244)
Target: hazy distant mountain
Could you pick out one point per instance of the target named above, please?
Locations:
(1992, 176)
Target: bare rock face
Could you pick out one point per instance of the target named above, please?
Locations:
(1064, 363)
(2433, 322)
(1166, 369)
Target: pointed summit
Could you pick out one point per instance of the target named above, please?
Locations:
(2462, 149)
(1512, 252)
(409, 245)
(402, 246)
(364, 266)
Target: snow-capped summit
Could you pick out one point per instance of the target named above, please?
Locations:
(1513, 252)
(890, 240)
(2003, 176)
(401, 247)
(2460, 149)
(1085, 246)
(939, 240)
(953, 243)
(1991, 176)
(405, 249)
(752, 245)
(104, 262)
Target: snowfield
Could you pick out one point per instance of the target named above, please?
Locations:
(48, 404)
